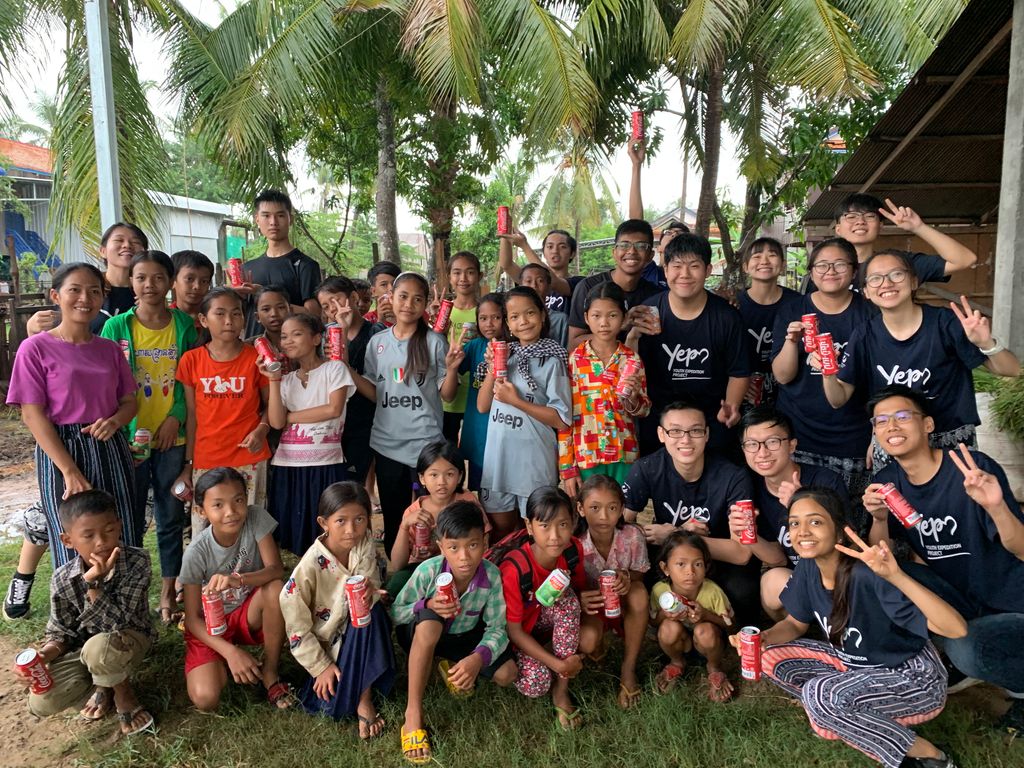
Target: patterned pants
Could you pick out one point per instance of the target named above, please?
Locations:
(870, 708)
(563, 621)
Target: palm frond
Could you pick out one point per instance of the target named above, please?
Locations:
(902, 34)
(705, 30)
(444, 39)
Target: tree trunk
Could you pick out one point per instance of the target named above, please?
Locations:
(387, 176)
(712, 148)
(443, 170)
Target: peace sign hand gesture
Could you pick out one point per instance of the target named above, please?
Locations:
(979, 484)
(878, 558)
(976, 325)
(904, 217)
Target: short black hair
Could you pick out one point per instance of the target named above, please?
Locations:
(859, 202)
(760, 244)
(273, 288)
(535, 268)
(899, 390)
(383, 268)
(459, 519)
(215, 477)
(337, 284)
(681, 405)
(569, 239)
(635, 227)
(159, 258)
(765, 414)
(191, 259)
(360, 284)
(272, 196)
(685, 244)
(91, 502)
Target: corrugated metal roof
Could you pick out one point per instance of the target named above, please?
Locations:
(950, 171)
(28, 157)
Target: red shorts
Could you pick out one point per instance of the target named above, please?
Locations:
(198, 653)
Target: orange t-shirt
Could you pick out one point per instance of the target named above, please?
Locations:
(227, 406)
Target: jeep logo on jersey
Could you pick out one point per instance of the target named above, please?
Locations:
(908, 377)
(513, 421)
(685, 355)
(683, 513)
(414, 402)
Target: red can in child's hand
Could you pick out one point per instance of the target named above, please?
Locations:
(810, 322)
(612, 604)
(31, 663)
(899, 506)
(637, 125)
(629, 368)
(504, 220)
(265, 351)
(749, 534)
(499, 359)
(750, 653)
(358, 600)
(757, 384)
(827, 353)
(445, 584)
(235, 273)
(421, 537)
(444, 312)
(336, 342)
(213, 613)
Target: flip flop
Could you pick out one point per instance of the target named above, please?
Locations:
(103, 700)
(716, 691)
(379, 719)
(442, 667)
(169, 616)
(627, 698)
(127, 718)
(669, 676)
(281, 697)
(573, 719)
(414, 741)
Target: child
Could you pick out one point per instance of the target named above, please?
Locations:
(308, 404)
(193, 276)
(413, 370)
(877, 674)
(236, 557)
(525, 410)
(558, 249)
(526, 559)
(538, 277)
(468, 634)
(609, 543)
(154, 338)
(464, 278)
(602, 438)
(365, 293)
(702, 622)
(439, 468)
(99, 628)
(345, 663)
(490, 325)
(272, 309)
(381, 277)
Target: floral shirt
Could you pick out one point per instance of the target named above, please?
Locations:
(628, 551)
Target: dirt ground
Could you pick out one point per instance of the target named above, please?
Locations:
(17, 471)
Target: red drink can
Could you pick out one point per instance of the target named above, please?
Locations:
(264, 350)
(421, 536)
(899, 506)
(757, 382)
(810, 334)
(30, 662)
(504, 220)
(749, 535)
(499, 352)
(443, 313)
(656, 317)
(637, 125)
(235, 272)
(750, 653)
(358, 600)
(827, 353)
(612, 604)
(631, 366)
(336, 342)
(445, 584)
(182, 491)
(213, 612)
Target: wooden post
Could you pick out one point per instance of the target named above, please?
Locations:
(374, 253)
(13, 261)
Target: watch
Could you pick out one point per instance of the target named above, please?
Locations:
(91, 584)
(995, 349)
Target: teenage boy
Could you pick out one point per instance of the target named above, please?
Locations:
(99, 629)
(768, 444)
(634, 239)
(700, 353)
(559, 248)
(971, 537)
(693, 490)
(468, 633)
(283, 264)
(538, 277)
(193, 276)
(381, 277)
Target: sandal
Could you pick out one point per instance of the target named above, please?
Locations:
(668, 678)
(568, 721)
(102, 701)
(627, 698)
(416, 741)
(376, 722)
(442, 667)
(717, 691)
(169, 616)
(280, 696)
(129, 718)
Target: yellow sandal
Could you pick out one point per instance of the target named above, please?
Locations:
(413, 741)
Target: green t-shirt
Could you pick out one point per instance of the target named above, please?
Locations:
(458, 317)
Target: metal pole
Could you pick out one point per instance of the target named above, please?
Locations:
(104, 125)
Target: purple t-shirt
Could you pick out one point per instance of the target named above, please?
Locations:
(75, 383)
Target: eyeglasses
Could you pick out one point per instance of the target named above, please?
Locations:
(895, 277)
(854, 216)
(902, 417)
(772, 444)
(695, 433)
(623, 246)
(839, 267)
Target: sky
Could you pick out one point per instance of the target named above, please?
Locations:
(37, 73)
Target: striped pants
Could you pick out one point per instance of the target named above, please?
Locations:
(870, 708)
(563, 621)
(107, 466)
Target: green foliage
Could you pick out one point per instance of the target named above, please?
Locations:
(1008, 406)
(190, 174)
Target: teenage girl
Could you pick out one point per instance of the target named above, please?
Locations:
(610, 543)
(926, 348)
(345, 663)
(602, 437)
(439, 468)
(878, 673)
(703, 620)
(525, 409)
(490, 325)
(413, 370)
(464, 279)
(309, 405)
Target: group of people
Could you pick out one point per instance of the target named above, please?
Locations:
(514, 487)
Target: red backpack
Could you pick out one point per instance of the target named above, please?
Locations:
(510, 549)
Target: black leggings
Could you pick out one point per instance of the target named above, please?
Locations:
(394, 487)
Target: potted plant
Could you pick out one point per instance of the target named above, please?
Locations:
(1001, 434)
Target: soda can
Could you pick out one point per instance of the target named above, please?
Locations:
(629, 368)
(504, 220)
(899, 506)
(421, 537)
(126, 349)
(499, 351)
(444, 312)
(749, 534)
(671, 603)
(213, 612)
(264, 350)
(656, 316)
(827, 353)
(554, 585)
(235, 272)
(810, 334)
(445, 584)
(757, 382)
(141, 444)
(750, 653)
(31, 663)
(637, 125)
(469, 331)
(181, 491)
(335, 342)
(358, 600)
(612, 604)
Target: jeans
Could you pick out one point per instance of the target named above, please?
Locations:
(159, 472)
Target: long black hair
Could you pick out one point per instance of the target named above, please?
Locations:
(417, 360)
(598, 483)
(338, 495)
(441, 449)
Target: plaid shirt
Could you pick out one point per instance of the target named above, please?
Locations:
(484, 597)
(122, 603)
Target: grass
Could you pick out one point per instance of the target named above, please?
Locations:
(493, 728)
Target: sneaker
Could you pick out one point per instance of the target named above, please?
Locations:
(1013, 721)
(929, 762)
(16, 604)
(958, 681)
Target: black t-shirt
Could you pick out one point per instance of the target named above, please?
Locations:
(118, 299)
(936, 361)
(294, 271)
(360, 410)
(772, 518)
(883, 629)
(676, 501)
(958, 538)
(556, 302)
(644, 290)
(929, 267)
(841, 432)
(759, 323)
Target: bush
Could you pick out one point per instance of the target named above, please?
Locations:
(1008, 407)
